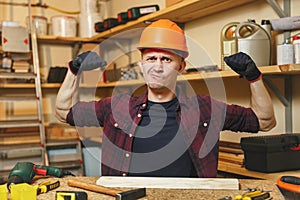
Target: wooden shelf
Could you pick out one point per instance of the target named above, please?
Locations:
(293, 69)
(59, 40)
(184, 11)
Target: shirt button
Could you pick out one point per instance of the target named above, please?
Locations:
(116, 124)
(144, 105)
(127, 155)
(205, 124)
(130, 135)
(124, 174)
(139, 115)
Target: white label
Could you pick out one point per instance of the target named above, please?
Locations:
(147, 10)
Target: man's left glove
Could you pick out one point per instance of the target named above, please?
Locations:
(86, 61)
(242, 64)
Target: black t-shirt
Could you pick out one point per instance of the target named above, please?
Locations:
(158, 130)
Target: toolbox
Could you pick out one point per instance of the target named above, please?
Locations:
(272, 153)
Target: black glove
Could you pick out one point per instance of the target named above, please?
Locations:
(242, 64)
(86, 61)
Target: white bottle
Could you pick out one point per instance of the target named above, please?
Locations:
(296, 44)
(285, 53)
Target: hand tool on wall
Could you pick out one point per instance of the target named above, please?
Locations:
(23, 172)
(119, 194)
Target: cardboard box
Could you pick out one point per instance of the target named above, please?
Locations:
(172, 2)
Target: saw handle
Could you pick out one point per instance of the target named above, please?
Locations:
(94, 188)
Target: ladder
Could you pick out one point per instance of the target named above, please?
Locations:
(13, 151)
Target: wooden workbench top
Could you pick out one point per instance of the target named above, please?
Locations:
(167, 193)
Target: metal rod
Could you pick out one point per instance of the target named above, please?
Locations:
(289, 107)
(287, 10)
(276, 91)
(23, 4)
(277, 8)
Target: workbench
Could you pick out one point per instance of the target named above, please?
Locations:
(167, 193)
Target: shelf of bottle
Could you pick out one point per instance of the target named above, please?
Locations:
(292, 69)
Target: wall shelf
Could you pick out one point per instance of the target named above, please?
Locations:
(292, 69)
(182, 12)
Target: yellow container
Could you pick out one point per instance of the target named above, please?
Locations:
(23, 191)
(3, 192)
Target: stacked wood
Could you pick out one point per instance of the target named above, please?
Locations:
(231, 153)
(55, 132)
(24, 135)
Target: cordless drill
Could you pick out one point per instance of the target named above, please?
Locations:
(23, 172)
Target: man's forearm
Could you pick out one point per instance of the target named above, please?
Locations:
(67, 96)
(261, 104)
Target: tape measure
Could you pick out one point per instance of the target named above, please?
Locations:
(71, 195)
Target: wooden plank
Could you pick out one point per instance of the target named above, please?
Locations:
(231, 150)
(169, 183)
(231, 158)
(19, 130)
(238, 169)
(235, 145)
(19, 140)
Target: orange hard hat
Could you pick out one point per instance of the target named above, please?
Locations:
(164, 34)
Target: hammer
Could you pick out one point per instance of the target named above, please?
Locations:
(119, 194)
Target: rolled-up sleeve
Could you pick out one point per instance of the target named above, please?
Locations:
(87, 113)
(241, 119)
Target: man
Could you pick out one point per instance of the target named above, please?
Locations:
(163, 132)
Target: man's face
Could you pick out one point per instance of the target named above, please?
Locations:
(160, 68)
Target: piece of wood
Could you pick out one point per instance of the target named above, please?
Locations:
(93, 187)
(169, 183)
(19, 140)
(231, 158)
(231, 150)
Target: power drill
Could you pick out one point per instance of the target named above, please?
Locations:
(23, 172)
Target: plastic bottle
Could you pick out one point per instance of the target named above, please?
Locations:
(266, 24)
(296, 44)
(228, 42)
(7, 62)
(285, 53)
(255, 41)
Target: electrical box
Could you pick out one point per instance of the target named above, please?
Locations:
(15, 39)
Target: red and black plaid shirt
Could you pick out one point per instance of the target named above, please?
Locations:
(200, 118)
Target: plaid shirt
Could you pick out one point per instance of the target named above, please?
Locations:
(200, 118)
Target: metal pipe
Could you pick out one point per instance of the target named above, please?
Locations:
(277, 8)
